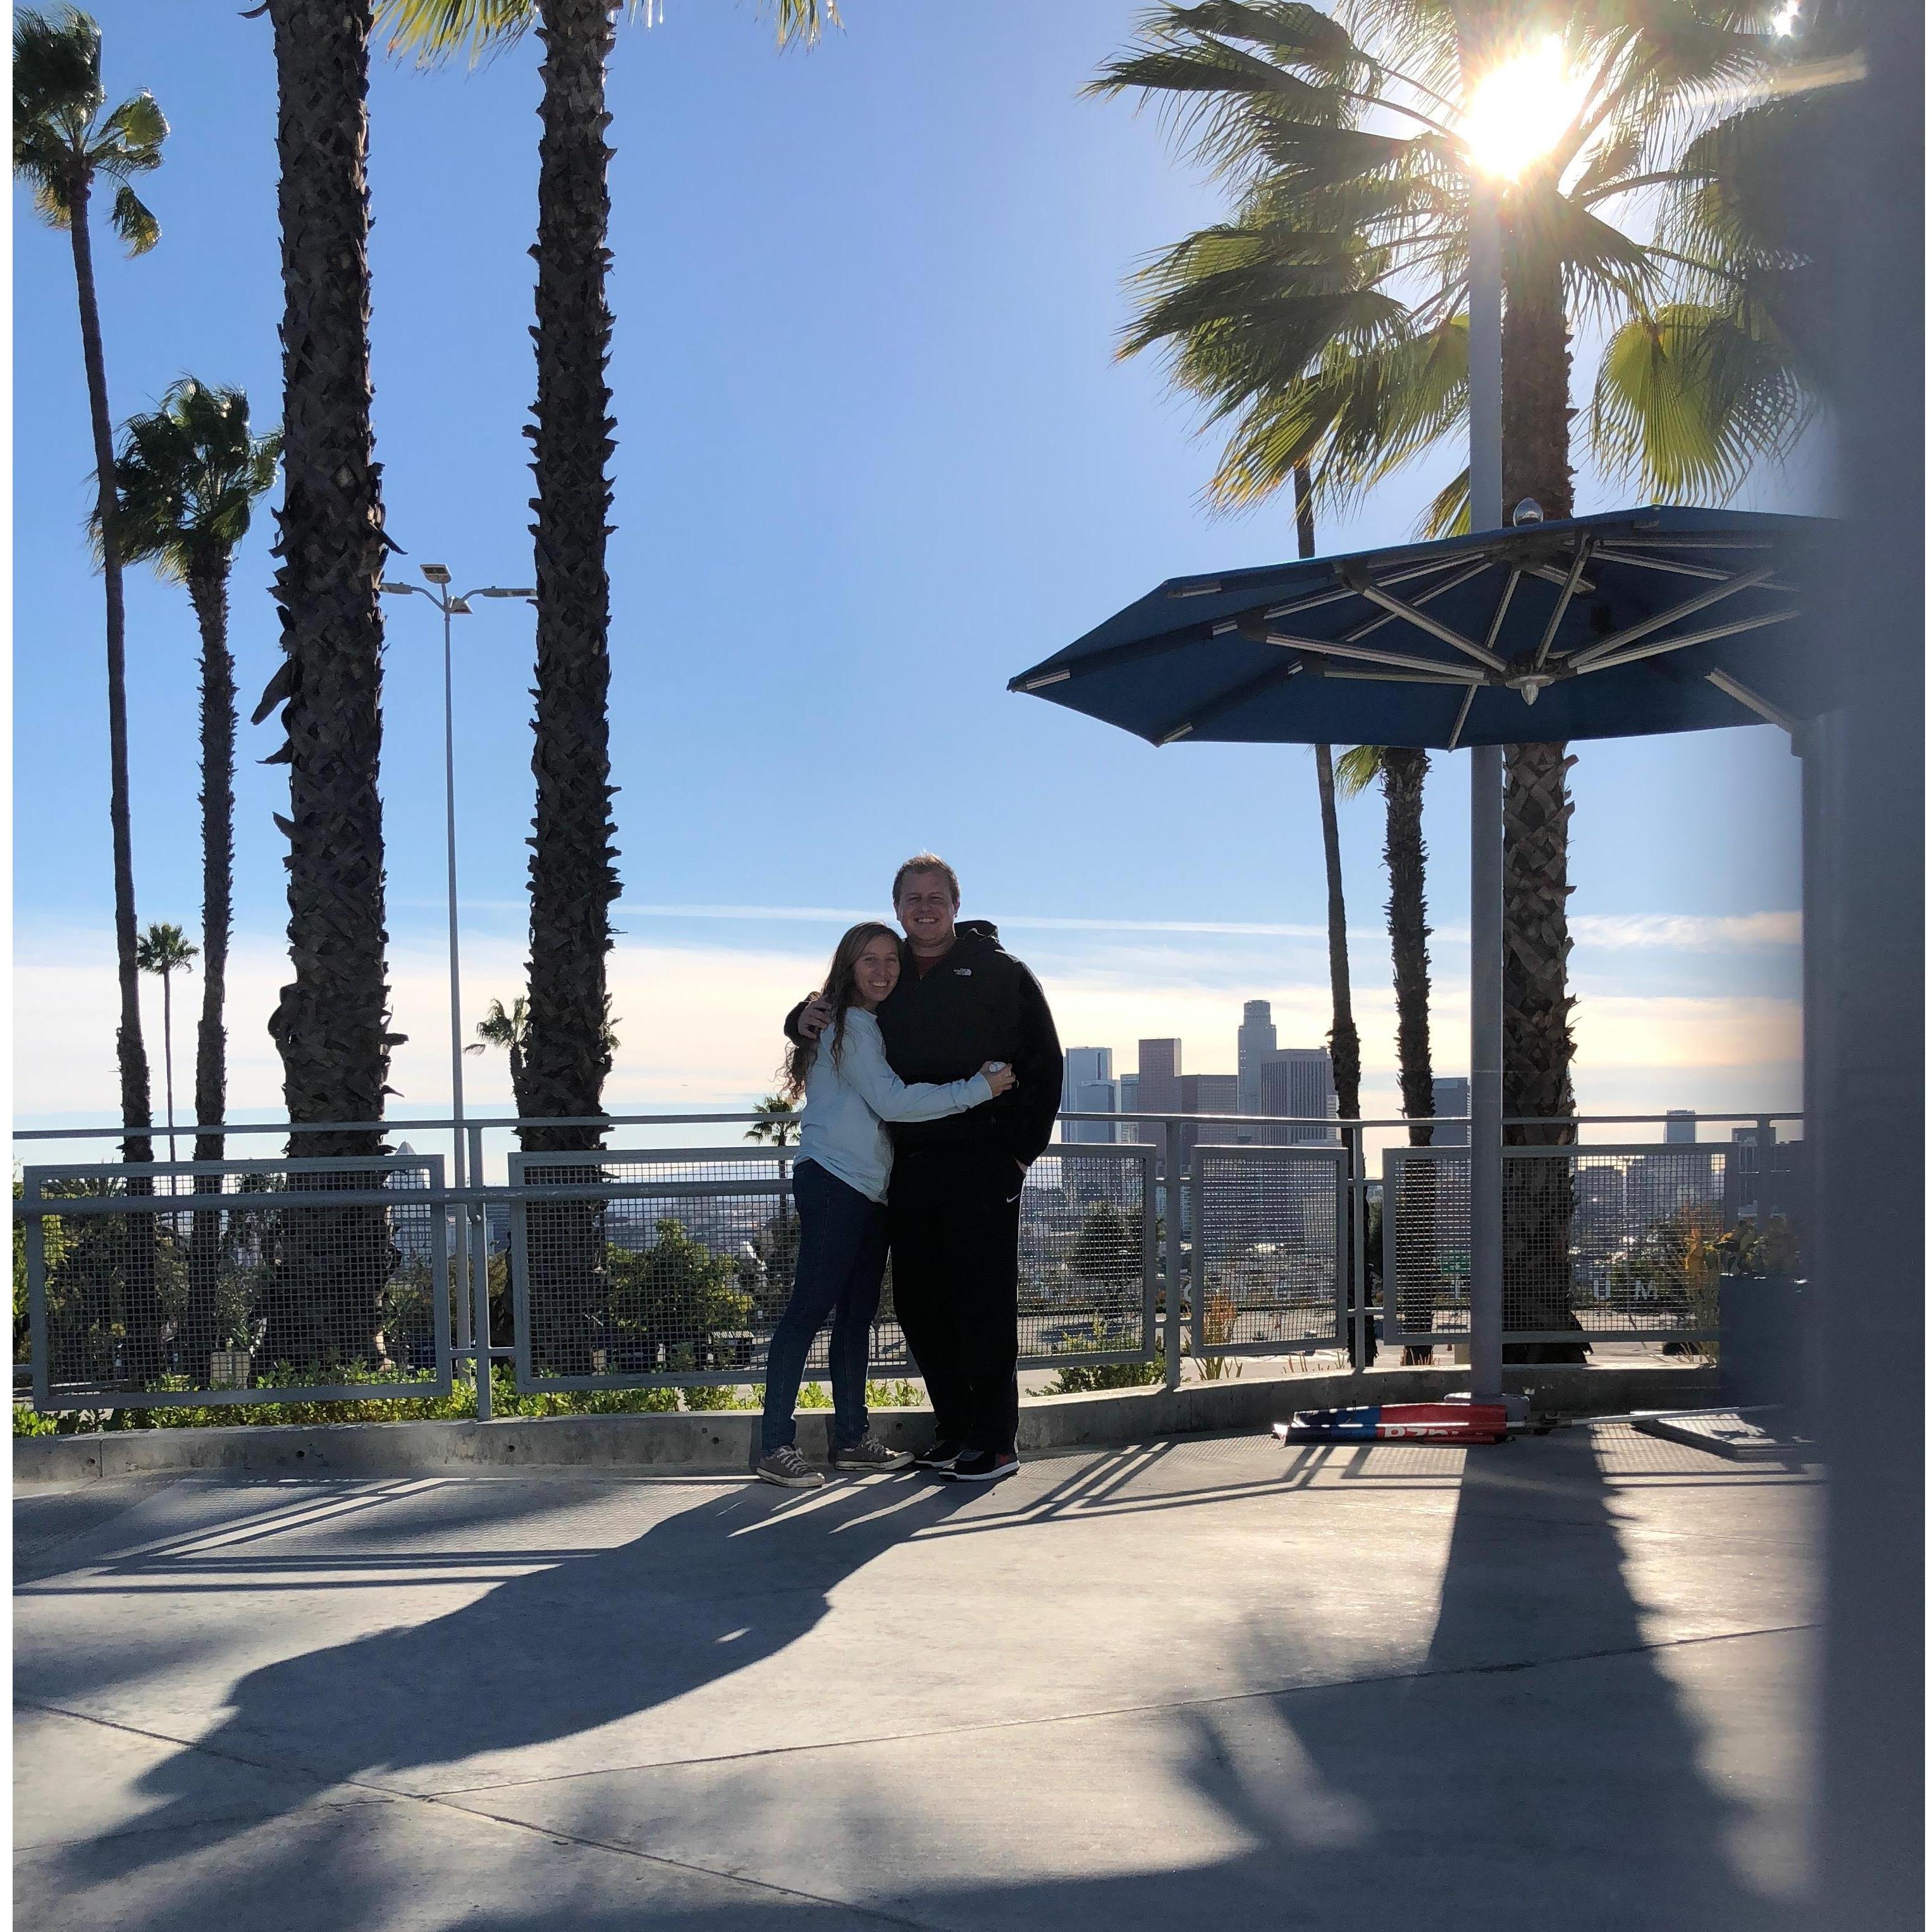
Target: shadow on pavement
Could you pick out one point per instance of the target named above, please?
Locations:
(708, 1592)
(1540, 1768)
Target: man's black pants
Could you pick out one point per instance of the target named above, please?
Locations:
(953, 1215)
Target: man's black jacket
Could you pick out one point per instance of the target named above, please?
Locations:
(978, 1004)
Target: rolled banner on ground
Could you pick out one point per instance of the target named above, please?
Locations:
(1400, 1422)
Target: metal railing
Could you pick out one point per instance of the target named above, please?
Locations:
(643, 1267)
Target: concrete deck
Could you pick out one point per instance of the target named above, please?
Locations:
(1213, 1682)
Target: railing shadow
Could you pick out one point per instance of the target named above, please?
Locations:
(537, 1659)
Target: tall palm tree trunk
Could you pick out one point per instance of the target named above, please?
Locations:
(144, 1316)
(1345, 1043)
(332, 1025)
(573, 877)
(208, 590)
(1403, 772)
(168, 1053)
(1537, 1044)
(135, 1111)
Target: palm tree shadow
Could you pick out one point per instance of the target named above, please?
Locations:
(720, 1586)
(1541, 1756)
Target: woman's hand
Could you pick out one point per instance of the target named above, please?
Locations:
(999, 1076)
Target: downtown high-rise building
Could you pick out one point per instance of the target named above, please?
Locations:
(1451, 1093)
(1253, 1043)
(1299, 1082)
(1087, 1087)
(1680, 1127)
(1159, 1088)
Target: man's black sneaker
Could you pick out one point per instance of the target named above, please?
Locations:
(940, 1456)
(983, 1465)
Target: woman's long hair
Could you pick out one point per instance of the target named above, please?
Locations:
(841, 992)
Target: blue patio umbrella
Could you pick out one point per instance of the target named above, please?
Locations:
(1620, 626)
(1613, 626)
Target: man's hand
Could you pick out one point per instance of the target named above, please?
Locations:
(816, 1017)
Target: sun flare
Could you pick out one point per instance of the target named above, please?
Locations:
(1518, 112)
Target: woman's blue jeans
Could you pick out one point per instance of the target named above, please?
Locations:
(842, 1261)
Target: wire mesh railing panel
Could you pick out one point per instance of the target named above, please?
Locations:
(1267, 1249)
(675, 1267)
(1425, 1245)
(1620, 1241)
(157, 1285)
(1614, 1242)
(1086, 1284)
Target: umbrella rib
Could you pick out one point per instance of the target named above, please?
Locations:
(1709, 634)
(1218, 707)
(1441, 590)
(1463, 716)
(1345, 591)
(1748, 580)
(1732, 688)
(1606, 554)
(1392, 659)
(1570, 584)
(1502, 608)
(1434, 626)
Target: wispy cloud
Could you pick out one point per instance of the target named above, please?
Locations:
(699, 1025)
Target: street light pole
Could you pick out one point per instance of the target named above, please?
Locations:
(1486, 825)
(451, 606)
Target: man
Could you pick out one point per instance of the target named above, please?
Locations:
(953, 1213)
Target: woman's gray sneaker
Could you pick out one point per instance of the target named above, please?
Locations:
(790, 1470)
(871, 1453)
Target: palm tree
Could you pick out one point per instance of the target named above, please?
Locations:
(508, 1029)
(164, 950)
(63, 142)
(1402, 772)
(186, 482)
(1326, 324)
(573, 870)
(778, 1127)
(331, 1023)
(1345, 1043)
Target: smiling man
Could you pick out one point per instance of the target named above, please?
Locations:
(953, 1212)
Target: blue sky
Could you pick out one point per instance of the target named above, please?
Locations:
(874, 455)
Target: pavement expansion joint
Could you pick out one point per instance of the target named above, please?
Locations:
(391, 1794)
(1501, 1666)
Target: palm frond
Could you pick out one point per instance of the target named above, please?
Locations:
(1357, 768)
(1687, 400)
(1448, 512)
(134, 221)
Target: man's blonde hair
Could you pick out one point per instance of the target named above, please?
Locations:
(927, 862)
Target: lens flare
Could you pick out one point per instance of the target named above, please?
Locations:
(1518, 111)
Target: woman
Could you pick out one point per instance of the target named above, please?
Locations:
(845, 1162)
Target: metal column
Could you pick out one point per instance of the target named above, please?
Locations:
(1485, 816)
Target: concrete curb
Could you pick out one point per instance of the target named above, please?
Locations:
(721, 1441)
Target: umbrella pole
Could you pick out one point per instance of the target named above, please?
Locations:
(1486, 824)
(1485, 1072)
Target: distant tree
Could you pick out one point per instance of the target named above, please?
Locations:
(63, 142)
(164, 950)
(675, 1294)
(186, 483)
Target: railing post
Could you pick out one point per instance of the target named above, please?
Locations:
(1170, 1159)
(479, 1280)
(1359, 1333)
(1767, 1155)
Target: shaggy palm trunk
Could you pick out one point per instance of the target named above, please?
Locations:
(1403, 772)
(332, 1025)
(1538, 1045)
(146, 1341)
(1345, 1043)
(208, 590)
(573, 875)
